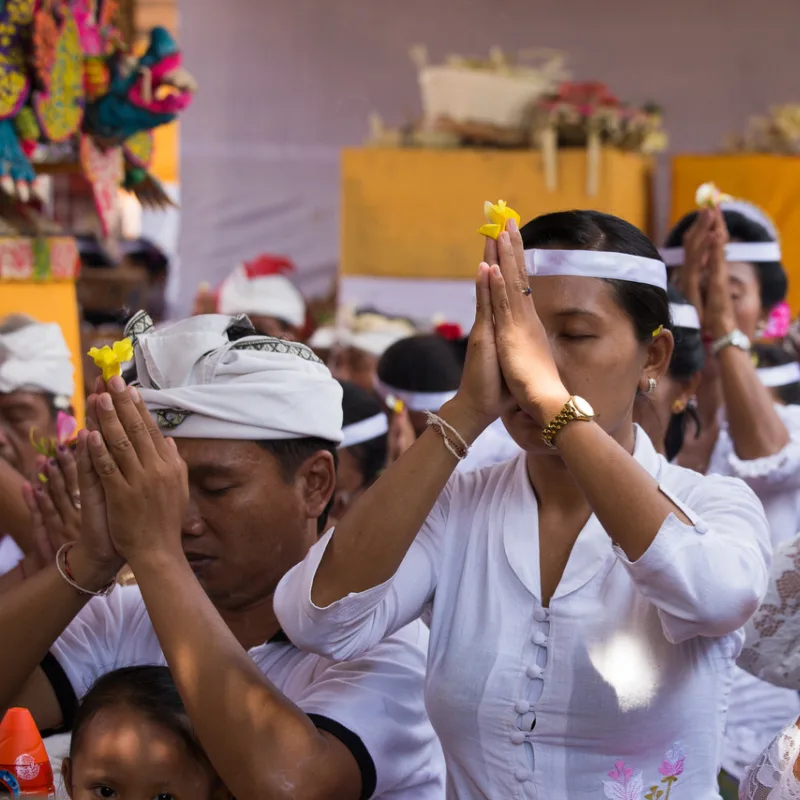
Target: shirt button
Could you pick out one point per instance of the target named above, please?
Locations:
(522, 707)
(523, 775)
(540, 615)
(539, 638)
(534, 673)
(701, 526)
(517, 737)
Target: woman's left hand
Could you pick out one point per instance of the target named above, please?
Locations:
(522, 346)
(143, 476)
(719, 318)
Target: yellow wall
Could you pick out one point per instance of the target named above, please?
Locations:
(414, 213)
(771, 182)
(50, 302)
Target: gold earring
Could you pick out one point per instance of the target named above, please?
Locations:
(678, 406)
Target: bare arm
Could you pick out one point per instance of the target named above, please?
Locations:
(36, 611)
(16, 521)
(755, 427)
(262, 745)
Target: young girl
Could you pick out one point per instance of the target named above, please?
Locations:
(132, 740)
(586, 596)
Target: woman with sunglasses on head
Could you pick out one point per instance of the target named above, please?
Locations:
(586, 596)
(743, 432)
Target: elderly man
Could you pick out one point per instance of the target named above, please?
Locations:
(36, 381)
(243, 491)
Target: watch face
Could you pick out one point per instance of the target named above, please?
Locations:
(582, 407)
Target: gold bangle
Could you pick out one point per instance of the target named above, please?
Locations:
(562, 419)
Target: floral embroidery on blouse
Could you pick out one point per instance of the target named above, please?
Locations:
(627, 784)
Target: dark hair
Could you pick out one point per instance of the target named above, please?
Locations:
(149, 690)
(358, 405)
(645, 305)
(772, 280)
(770, 355)
(292, 453)
(688, 359)
(424, 363)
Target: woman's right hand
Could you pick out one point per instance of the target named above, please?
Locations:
(696, 247)
(483, 395)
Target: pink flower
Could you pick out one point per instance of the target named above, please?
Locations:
(625, 784)
(620, 773)
(66, 428)
(672, 765)
(779, 320)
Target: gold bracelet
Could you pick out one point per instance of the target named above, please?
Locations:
(562, 419)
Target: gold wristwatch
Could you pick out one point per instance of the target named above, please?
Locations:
(576, 408)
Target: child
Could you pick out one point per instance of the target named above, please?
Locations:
(132, 740)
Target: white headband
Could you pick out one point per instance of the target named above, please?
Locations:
(684, 315)
(784, 375)
(753, 252)
(597, 264)
(365, 430)
(414, 401)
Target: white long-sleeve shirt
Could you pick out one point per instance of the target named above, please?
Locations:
(620, 685)
(758, 710)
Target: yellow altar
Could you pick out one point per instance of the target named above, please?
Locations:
(770, 181)
(414, 213)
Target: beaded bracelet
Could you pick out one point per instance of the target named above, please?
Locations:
(453, 440)
(66, 574)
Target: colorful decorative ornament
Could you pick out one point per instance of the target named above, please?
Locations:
(60, 108)
(497, 215)
(138, 149)
(111, 359)
(16, 17)
(105, 170)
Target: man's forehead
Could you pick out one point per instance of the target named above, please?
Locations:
(211, 456)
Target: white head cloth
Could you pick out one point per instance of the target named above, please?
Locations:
(782, 375)
(365, 430)
(597, 264)
(684, 315)
(36, 358)
(202, 385)
(264, 295)
(752, 252)
(414, 401)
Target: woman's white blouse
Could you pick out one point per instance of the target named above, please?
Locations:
(620, 686)
(757, 709)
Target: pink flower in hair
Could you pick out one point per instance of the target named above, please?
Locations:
(778, 322)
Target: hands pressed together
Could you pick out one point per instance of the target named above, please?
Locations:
(703, 277)
(509, 361)
(120, 499)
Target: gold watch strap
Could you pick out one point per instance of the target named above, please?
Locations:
(561, 420)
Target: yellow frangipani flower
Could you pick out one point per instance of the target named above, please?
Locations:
(497, 215)
(111, 359)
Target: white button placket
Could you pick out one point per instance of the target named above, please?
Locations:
(526, 708)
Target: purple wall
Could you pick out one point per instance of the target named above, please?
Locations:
(284, 85)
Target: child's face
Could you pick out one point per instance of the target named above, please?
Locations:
(123, 755)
